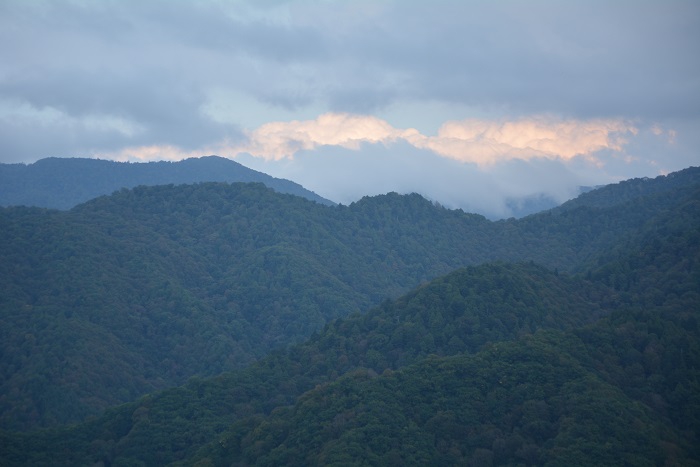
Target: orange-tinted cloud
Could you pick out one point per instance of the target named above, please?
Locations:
(483, 142)
(152, 153)
(487, 142)
(277, 140)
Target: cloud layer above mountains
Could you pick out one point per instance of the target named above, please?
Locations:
(597, 91)
(482, 142)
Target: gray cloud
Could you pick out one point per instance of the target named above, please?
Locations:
(159, 110)
(151, 66)
(574, 58)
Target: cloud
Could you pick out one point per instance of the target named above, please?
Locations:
(488, 142)
(23, 113)
(658, 130)
(277, 140)
(151, 153)
(484, 142)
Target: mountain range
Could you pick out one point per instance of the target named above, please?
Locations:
(62, 183)
(270, 329)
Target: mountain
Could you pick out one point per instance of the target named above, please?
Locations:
(145, 288)
(62, 183)
(496, 364)
(630, 190)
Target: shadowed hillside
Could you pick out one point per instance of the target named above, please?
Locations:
(494, 364)
(143, 289)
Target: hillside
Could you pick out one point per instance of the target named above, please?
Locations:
(448, 315)
(492, 364)
(629, 190)
(160, 284)
(62, 183)
(163, 283)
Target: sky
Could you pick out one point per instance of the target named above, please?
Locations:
(469, 103)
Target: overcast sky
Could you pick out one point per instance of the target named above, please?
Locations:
(466, 102)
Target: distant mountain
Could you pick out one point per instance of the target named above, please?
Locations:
(630, 190)
(603, 196)
(62, 183)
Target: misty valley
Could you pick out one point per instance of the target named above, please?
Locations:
(206, 314)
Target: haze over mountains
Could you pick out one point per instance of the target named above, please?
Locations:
(62, 183)
(418, 334)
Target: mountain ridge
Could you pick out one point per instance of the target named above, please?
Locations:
(62, 183)
(628, 190)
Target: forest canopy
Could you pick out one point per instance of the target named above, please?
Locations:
(239, 325)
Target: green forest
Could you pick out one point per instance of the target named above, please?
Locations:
(230, 324)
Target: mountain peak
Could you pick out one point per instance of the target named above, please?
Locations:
(62, 183)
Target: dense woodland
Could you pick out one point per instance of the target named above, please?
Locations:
(388, 332)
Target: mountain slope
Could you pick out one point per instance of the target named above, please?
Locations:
(629, 190)
(449, 315)
(448, 374)
(621, 391)
(62, 183)
(528, 402)
(147, 287)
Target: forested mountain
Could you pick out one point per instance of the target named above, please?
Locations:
(505, 362)
(159, 284)
(629, 190)
(62, 183)
(492, 364)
